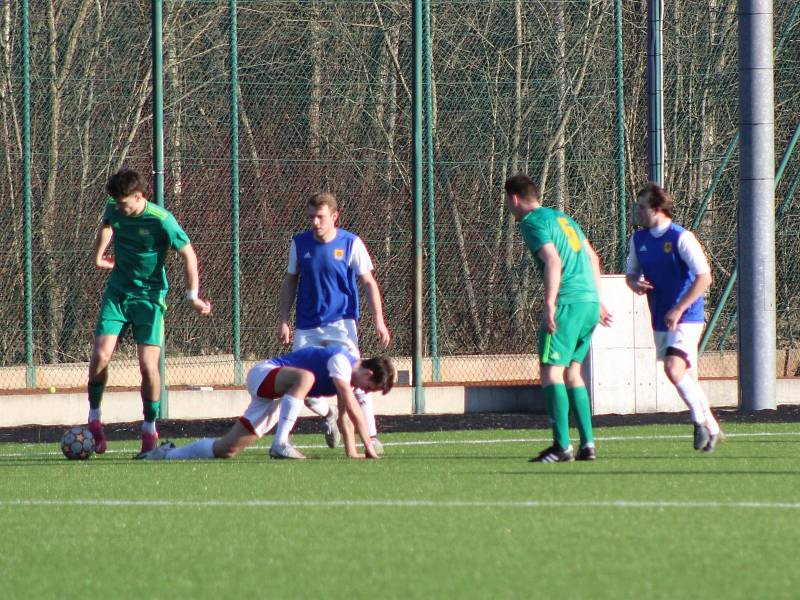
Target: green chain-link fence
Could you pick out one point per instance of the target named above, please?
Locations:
(325, 103)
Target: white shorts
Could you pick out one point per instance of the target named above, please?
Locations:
(686, 338)
(343, 332)
(261, 414)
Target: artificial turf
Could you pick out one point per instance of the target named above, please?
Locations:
(443, 515)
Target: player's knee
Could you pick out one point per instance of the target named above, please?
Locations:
(305, 380)
(674, 368)
(101, 357)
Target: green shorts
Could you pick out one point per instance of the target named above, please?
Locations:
(575, 324)
(146, 316)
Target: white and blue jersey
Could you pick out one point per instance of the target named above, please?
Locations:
(325, 363)
(328, 272)
(670, 258)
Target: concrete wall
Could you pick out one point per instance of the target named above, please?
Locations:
(120, 407)
(218, 370)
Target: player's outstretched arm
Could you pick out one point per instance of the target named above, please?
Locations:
(287, 295)
(101, 241)
(189, 257)
(373, 293)
(349, 414)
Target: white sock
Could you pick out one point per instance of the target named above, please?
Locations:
(365, 400)
(694, 397)
(711, 422)
(318, 406)
(200, 449)
(149, 427)
(94, 414)
(290, 408)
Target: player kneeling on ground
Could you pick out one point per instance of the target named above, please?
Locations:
(277, 389)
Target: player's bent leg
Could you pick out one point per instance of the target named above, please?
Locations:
(330, 413)
(676, 368)
(232, 443)
(150, 390)
(293, 384)
(581, 408)
(102, 351)
(555, 393)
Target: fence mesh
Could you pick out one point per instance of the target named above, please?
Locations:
(325, 103)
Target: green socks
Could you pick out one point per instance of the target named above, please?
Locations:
(557, 403)
(150, 410)
(96, 394)
(560, 401)
(582, 410)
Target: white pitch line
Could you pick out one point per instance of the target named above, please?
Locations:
(647, 504)
(617, 438)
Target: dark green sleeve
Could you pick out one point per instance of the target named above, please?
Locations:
(110, 205)
(175, 234)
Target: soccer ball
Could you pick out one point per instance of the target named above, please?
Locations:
(77, 443)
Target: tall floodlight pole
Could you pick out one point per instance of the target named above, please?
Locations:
(430, 190)
(416, 169)
(655, 92)
(622, 212)
(156, 14)
(756, 231)
(30, 368)
(236, 307)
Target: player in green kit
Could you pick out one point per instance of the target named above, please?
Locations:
(572, 309)
(135, 293)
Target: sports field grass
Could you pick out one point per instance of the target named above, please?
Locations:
(444, 515)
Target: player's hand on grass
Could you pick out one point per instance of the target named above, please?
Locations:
(105, 263)
(202, 307)
(606, 318)
(284, 333)
(370, 453)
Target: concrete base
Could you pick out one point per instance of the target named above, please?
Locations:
(120, 407)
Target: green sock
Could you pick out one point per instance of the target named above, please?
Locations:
(582, 409)
(558, 409)
(150, 410)
(96, 394)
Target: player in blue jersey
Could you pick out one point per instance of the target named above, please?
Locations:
(279, 385)
(666, 262)
(326, 264)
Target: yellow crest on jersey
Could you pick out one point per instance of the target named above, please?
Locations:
(338, 253)
(667, 247)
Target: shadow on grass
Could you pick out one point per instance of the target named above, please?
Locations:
(562, 472)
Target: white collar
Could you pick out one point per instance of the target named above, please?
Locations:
(658, 231)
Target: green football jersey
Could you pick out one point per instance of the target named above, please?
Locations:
(546, 225)
(140, 249)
